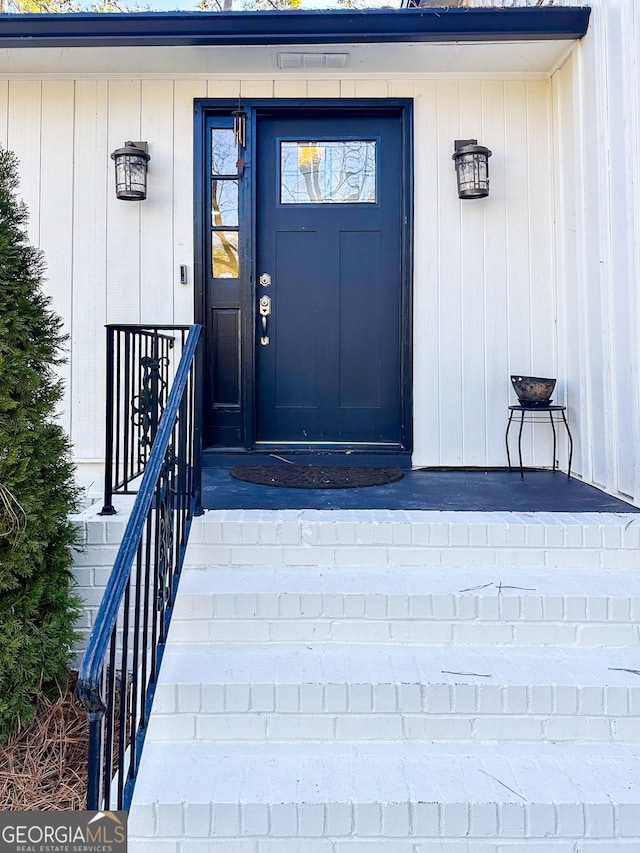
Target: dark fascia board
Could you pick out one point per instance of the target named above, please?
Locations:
(309, 27)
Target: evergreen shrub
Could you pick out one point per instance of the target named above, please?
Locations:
(37, 492)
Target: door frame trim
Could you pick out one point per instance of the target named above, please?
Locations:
(206, 107)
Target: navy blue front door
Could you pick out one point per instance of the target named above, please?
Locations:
(329, 272)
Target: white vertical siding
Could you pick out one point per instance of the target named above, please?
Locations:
(4, 111)
(56, 204)
(24, 130)
(426, 262)
(372, 88)
(472, 306)
(256, 88)
(347, 88)
(185, 92)
(93, 182)
(448, 360)
(157, 273)
(484, 269)
(569, 304)
(603, 333)
(496, 339)
(124, 304)
(223, 88)
(323, 88)
(287, 88)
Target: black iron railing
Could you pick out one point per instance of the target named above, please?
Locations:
(119, 670)
(141, 361)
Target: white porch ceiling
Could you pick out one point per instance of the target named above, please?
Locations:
(412, 58)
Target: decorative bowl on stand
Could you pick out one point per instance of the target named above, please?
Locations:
(533, 392)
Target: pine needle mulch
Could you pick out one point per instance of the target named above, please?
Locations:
(43, 767)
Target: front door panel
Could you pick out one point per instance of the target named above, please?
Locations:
(329, 225)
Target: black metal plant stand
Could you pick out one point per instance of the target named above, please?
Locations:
(542, 410)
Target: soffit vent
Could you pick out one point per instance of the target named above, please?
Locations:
(296, 61)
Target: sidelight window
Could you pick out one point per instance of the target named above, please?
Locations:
(224, 203)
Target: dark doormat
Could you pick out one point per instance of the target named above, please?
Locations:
(315, 477)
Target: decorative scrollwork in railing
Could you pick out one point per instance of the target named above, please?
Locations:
(141, 361)
(148, 405)
(164, 508)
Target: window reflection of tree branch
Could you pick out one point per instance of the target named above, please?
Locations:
(224, 154)
(225, 256)
(310, 159)
(355, 161)
(309, 183)
(216, 215)
(337, 171)
(224, 202)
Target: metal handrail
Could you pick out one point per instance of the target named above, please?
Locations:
(119, 670)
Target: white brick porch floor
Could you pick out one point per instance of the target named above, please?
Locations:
(399, 682)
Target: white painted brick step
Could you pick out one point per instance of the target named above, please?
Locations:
(349, 692)
(489, 581)
(372, 845)
(303, 706)
(382, 604)
(396, 792)
(349, 537)
(246, 845)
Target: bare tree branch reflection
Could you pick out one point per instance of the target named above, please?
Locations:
(335, 172)
(224, 212)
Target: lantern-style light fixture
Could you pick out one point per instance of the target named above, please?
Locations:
(472, 168)
(131, 171)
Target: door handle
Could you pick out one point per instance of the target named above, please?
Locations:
(265, 310)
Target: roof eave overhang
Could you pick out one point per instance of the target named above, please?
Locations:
(283, 28)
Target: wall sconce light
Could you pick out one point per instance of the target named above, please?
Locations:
(472, 168)
(131, 171)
